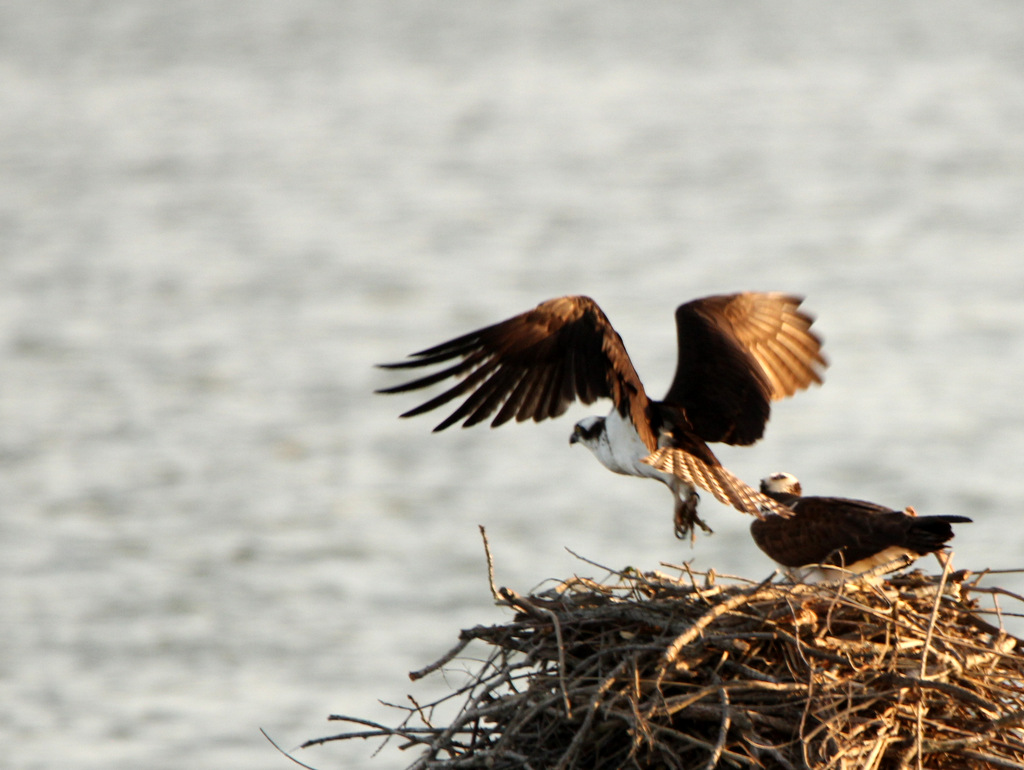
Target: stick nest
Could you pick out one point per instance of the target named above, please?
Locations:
(658, 671)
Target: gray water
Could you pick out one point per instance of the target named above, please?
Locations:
(215, 217)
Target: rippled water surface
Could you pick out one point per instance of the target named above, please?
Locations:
(214, 218)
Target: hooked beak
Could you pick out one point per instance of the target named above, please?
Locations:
(575, 437)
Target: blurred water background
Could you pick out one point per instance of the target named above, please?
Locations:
(215, 217)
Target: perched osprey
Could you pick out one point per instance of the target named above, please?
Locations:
(737, 353)
(832, 536)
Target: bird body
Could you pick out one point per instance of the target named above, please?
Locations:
(828, 537)
(736, 353)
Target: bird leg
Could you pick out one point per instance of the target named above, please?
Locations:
(686, 512)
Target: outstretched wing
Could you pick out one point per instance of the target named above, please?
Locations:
(698, 467)
(737, 353)
(532, 366)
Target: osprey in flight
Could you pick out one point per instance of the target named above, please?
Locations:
(737, 353)
(832, 536)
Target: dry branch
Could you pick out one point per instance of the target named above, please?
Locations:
(659, 671)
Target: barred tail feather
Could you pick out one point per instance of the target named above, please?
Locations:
(727, 488)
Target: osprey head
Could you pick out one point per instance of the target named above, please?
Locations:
(781, 483)
(587, 431)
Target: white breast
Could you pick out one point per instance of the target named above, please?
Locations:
(621, 449)
(816, 574)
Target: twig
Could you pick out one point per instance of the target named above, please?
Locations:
(759, 747)
(723, 730)
(622, 574)
(934, 617)
(442, 661)
(490, 563)
(378, 729)
(948, 688)
(919, 733)
(285, 753)
(994, 761)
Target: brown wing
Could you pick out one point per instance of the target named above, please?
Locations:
(532, 366)
(737, 353)
(833, 530)
(817, 533)
(694, 463)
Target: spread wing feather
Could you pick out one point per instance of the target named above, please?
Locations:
(515, 400)
(777, 334)
(532, 366)
(708, 474)
(737, 353)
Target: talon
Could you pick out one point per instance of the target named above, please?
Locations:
(686, 517)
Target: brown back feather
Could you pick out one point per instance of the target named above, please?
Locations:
(834, 530)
